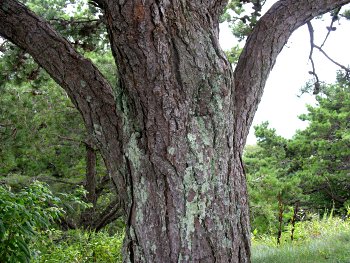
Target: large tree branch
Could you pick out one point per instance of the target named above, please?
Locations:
(83, 82)
(261, 50)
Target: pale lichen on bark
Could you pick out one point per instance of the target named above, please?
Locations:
(133, 152)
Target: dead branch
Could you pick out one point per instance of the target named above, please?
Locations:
(319, 48)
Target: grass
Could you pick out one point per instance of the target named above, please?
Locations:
(317, 241)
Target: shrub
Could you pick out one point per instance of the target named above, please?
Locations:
(22, 215)
(78, 246)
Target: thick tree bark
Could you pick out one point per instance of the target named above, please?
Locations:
(174, 134)
(186, 181)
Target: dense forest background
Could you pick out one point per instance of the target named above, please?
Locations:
(52, 179)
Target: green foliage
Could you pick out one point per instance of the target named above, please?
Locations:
(41, 132)
(233, 54)
(242, 16)
(80, 23)
(312, 168)
(73, 202)
(22, 216)
(42, 137)
(29, 215)
(346, 14)
(105, 63)
(268, 173)
(76, 20)
(40, 129)
(322, 150)
(325, 240)
(78, 246)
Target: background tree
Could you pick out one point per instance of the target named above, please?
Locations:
(273, 188)
(310, 170)
(172, 134)
(322, 150)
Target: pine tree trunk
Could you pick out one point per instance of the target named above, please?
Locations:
(186, 184)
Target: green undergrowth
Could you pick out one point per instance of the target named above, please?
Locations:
(77, 246)
(315, 241)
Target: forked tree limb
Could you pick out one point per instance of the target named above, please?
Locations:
(317, 83)
(330, 27)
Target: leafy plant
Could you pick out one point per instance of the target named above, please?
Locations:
(22, 216)
(78, 246)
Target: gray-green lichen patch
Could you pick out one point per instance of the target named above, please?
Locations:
(218, 103)
(82, 83)
(192, 139)
(171, 150)
(204, 131)
(140, 198)
(141, 195)
(5, 6)
(153, 248)
(199, 180)
(164, 228)
(196, 203)
(123, 110)
(97, 130)
(133, 153)
(187, 222)
(132, 232)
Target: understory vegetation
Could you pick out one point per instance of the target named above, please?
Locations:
(318, 240)
(78, 246)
